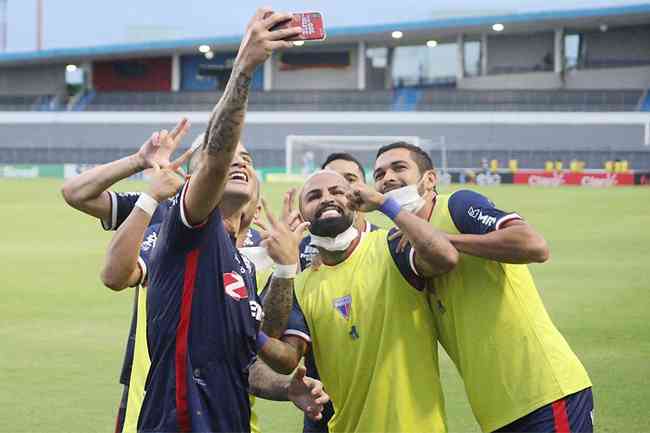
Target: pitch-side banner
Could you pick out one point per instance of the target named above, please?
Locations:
(598, 180)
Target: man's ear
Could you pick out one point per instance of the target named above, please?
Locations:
(427, 183)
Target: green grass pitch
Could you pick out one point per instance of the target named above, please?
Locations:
(63, 333)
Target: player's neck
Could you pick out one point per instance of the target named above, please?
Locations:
(333, 258)
(232, 219)
(427, 209)
(360, 223)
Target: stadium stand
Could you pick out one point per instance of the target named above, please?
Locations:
(466, 145)
(28, 103)
(405, 99)
(529, 100)
(278, 100)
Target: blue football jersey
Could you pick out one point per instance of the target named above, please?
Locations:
(203, 317)
(122, 203)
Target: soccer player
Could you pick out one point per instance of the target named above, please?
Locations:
(124, 267)
(519, 372)
(351, 169)
(203, 319)
(88, 193)
(366, 314)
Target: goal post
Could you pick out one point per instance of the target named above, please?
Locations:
(305, 153)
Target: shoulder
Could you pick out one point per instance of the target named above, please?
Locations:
(474, 213)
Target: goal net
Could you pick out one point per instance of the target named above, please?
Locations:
(305, 153)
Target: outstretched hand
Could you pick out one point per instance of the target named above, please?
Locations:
(363, 198)
(158, 149)
(164, 182)
(280, 240)
(260, 41)
(307, 394)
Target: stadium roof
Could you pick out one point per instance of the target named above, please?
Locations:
(414, 31)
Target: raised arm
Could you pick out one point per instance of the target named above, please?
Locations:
(87, 192)
(434, 254)
(206, 186)
(121, 268)
(281, 242)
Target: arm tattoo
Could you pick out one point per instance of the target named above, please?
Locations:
(227, 119)
(266, 383)
(277, 306)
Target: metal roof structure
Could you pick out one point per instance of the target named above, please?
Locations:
(441, 29)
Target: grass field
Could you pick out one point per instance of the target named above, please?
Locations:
(63, 333)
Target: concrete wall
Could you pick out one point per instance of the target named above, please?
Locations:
(32, 80)
(532, 80)
(317, 78)
(611, 78)
(520, 51)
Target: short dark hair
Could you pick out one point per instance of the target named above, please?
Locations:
(419, 156)
(346, 157)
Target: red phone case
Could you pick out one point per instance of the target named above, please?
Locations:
(311, 23)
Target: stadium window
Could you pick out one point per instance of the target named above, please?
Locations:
(472, 58)
(572, 50)
(420, 66)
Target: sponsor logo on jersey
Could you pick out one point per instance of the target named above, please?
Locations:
(256, 310)
(150, 241)
(235, 286)
(343, 305)
(479, 216)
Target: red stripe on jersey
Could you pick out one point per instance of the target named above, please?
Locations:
(560, 416)
(182, 410)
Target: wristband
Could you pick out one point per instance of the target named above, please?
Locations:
(147, 203)
(261, 340)
(390, 208)
(285, 271)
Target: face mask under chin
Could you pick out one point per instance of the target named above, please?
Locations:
(331, 227)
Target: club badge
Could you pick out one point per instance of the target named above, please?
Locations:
(343, 305)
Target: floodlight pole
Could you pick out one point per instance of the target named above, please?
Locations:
(3, 25)
(39, 25)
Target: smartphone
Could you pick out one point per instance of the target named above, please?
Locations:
(311, 23)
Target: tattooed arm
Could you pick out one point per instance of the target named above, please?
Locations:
(206, 186)
(277, 305)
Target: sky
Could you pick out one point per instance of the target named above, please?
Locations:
(78, 23)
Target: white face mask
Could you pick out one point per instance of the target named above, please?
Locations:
(407, 197)
(340, 243)
(259, 256)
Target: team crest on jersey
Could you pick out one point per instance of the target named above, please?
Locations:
(343, 305)
(235, 286)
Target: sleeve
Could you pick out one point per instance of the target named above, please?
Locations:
(122, 204)
(474, 214)
(148, 244)
(405, 262)
(253, 238)
(177, 230)
(297, 325)
(305, 253)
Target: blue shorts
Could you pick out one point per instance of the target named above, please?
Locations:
(571, 414)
